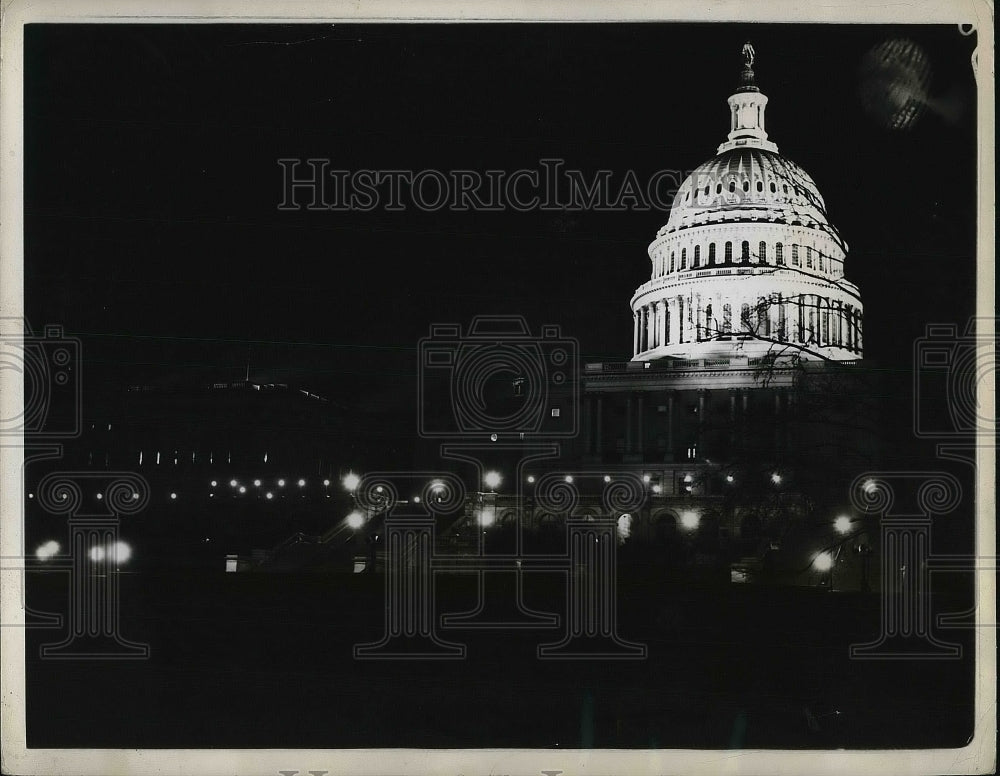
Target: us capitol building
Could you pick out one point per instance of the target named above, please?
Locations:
(745, 405)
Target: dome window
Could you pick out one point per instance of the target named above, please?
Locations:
(672, 255)
(687, 197)
(684, 258)
(746, 185)
(732, 185)
(745, 252)
(809, 257)
(779, 255)
(706, 189)
(785, 188)
(773, 187)
(729, 253)
(762, 249)
(718, 188)
(760, 186)
(795, 255)
(711, 254)
(697, 256)
(821, 268)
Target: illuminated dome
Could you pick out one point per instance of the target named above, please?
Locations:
(748, 262)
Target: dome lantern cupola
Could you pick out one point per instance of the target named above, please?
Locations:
(746, 111)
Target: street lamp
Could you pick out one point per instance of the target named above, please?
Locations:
(776, 478)
(823, 561)
(492, 480)
(842, 524)
(355, 520)
(351, 482)
(47, 550)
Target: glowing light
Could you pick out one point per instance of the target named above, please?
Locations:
(281, 483)
(233, 483)
(569, 478)
(729, 478)
(47, 550)
(379, 489)
(869, 486)
(492, 480)
(657, 489)
(256, 483)
(173, 496)
(120, 552)
(645, 478)
(531, 479)
(243, 488)
(624, 526)
(486, 519)
(355, 520)
(776, 478)
(326, 483)
(100, 496)
(688, 478)
(351, 482)
(690, 520)
(31, 495)
(269, 495)
(135, 496)
(96, 553)
(842, 524)
(437, 486)
(302, 483)
(823, 561)
(214, 483)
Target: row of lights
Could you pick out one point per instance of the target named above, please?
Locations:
(118, 553)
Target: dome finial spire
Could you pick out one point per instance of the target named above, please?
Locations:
(747, 81)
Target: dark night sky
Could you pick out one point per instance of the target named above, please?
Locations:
(151, 185)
